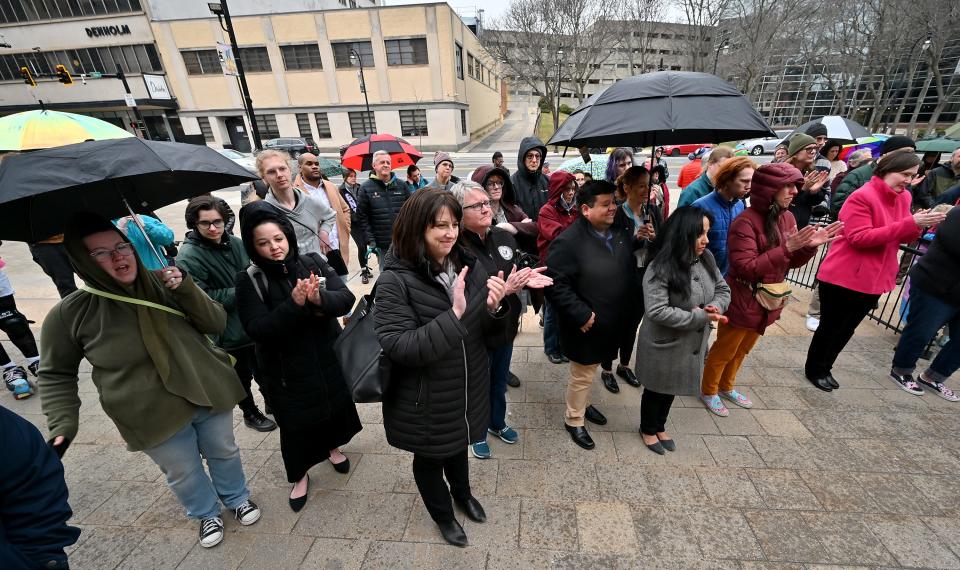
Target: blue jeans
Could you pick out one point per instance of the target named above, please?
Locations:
(926, 316)
(551, 330)
(499, 367)
(209, 435)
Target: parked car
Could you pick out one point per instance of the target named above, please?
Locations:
(765, 145)
(683, 149)
(295, 147)
(244, 159)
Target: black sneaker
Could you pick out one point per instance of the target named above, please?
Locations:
(255, 419)
(512, 380)
(906, 383)
(939, 389)
(247, 513)
(555, 358)
(211, 532)
(34, 368)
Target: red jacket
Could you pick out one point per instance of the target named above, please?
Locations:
(876, 220)
(553, 217)
(690, 172)
(753, 261)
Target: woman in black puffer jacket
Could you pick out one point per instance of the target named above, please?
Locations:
(435, 304)
(293, 320)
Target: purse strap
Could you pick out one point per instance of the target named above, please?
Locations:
(132, 300)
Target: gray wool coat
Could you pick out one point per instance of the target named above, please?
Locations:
(674, 333)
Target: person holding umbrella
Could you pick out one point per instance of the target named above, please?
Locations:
(170, 392)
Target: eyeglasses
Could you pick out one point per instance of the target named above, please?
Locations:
(206, 225)
(494, 185)
(478, 206)
(810, 150)
(123, 250)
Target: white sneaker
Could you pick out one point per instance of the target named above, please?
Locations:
(211, 532)
(812, 323)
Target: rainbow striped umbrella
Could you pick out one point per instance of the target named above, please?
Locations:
(35, 130)
(872, 143)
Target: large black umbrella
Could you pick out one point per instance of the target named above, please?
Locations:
(666, 107)
(41, 190)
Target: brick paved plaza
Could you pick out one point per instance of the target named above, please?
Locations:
(806, 479)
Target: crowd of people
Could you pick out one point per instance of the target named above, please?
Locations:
(616, 276)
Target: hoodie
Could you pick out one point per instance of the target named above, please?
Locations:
(530, 187)
(526, 234)
(555, 216)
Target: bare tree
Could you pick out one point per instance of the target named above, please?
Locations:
(704, 16)
(640, 18)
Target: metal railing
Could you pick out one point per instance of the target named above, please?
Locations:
(890, 310)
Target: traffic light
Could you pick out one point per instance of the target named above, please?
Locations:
(63, 76)
(27, 76)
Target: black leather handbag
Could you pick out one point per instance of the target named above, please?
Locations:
(365, 367)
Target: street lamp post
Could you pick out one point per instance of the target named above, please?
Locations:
(556, 116)
(716, 56)
(223, 15)
(355, 57)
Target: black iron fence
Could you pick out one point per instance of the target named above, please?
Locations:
(891, 307)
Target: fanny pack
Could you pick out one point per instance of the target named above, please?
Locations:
(772, 296)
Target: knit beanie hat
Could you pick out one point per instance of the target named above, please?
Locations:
(817, 130)
(896, 143)
(798, 141)
(441, 157)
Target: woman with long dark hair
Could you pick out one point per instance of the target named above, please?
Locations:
(436, 308)
(289, 304)
(684, 294)
(620, 160)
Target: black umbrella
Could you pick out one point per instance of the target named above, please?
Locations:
(41, 190)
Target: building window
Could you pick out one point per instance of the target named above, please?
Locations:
(341, 53)
(13, 11)
(458, 59)
(323, 126)
(201, 62)
(413, 123)
(139, 58)
(463, 121)
(362, 123)
(301, 56)
(303, 124)
(406, 52)
(267, 125)
(205, 129)
(255, 59)
(470, 64)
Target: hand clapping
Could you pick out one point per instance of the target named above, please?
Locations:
(307, 290)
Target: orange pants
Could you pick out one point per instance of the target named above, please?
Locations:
(725, 358)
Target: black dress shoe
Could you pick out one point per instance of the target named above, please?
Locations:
(833, 381)
(822, 383)
(580, 436)
(453, 533)
(628, 375)
(473, 509)
(609, 381)
(512, 380)
(668, 444)
(555, 359)
(594, 416)
(654, 447)
(256, 420)
(564, 358)
(299, 502)
(342, 467)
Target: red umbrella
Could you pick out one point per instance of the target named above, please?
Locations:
(359, 155)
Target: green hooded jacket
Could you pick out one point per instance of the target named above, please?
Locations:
(152, 369)
(851, 182)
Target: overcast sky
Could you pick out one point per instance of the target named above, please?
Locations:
(493, 9)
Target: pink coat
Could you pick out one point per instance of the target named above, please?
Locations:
(876, 220)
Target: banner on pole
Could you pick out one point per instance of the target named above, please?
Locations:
(227, 61)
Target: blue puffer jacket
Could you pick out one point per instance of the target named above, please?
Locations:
(723, 212)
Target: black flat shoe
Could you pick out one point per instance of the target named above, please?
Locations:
(668, 444)
(654, 447)
(342, 467)
(594, 416)
(512, 380)
(580, 436)
(299, 502)
(255, 419)
(564, 358)
(822, 383)
(473, 509)
(555, 359)
(628, 375)
(832, 381)
(453, 533)
(610, 382)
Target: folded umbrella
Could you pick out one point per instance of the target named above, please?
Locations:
(359, 154)
(41, 190)
(838, 128)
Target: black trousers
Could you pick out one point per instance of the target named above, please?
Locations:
(429, 472)
(246, 369)
(17, 328)
(841, 311)
(628, 339)
(654, 409)
(360, 241)
(53, 259)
